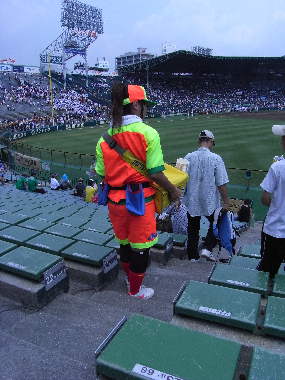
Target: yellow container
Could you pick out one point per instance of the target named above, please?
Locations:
(177, 177)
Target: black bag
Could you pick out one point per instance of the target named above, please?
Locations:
(164, 225)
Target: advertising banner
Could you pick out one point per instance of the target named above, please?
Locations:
(6, 68)
(31, 69)
(75, 51)
(37, 131)
(18, 69)
(27, 161)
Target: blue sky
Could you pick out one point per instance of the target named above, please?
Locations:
(230, 27)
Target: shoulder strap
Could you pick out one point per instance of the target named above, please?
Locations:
(126, 155)
(113, 144)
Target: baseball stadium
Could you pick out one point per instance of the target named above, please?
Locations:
(64, 309)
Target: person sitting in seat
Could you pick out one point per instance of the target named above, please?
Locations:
(21, 183)
(54, 184)
(79, 188)
(33, 184)
(90, 190)
(65, 182)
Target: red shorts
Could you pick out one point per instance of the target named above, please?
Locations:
(138, 231)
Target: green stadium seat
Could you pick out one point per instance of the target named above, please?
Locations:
(274, 323)
(28, 263)
(279, 286)
(16, 234)
(113, 244)
(87, 253)
(250, 250)
(281, 270)
(53, 218)
(219, 304)
(240, 278)
(74, 221)
(6, 247)
(165, 242)
(3, 225)
(12, 218)
(10, 208)
(179, 240)
(266, 365)
(62, 230)
(29, 213)
(93, 237)
(146, 348)
(99, 225)
(244, 262)
(36, 223)
(49, 243)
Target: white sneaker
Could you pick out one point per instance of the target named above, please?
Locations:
(194, 260)
(207, 254)
(144, 293)
(127, 283)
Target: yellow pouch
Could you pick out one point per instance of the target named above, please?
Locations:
(177, 177)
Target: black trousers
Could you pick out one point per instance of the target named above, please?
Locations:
(193, 236)
(272, 254)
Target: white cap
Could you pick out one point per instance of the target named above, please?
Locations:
(278, 130)
(206, 133)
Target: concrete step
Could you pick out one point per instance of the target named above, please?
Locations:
(115, 296)
(61, 337)
(84, 312)
(22, 360)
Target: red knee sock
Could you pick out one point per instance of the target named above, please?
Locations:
(126, 268)
(136, 280)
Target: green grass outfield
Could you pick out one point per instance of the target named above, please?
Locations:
(242, 142)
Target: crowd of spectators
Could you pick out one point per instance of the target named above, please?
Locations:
(208, 94)
(174, 94)
(35, 122)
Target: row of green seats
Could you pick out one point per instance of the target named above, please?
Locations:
(146, 348)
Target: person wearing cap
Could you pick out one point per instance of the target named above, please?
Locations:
(135, 233)
(79, 188)
(205, 188)
(273, 196)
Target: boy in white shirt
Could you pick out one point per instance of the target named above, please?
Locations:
(54, 184)
(273, 234)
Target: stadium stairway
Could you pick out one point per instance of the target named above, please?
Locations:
(58, 341)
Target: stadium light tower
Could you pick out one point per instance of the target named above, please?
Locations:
(83, 23)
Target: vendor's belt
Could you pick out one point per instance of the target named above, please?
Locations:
(134, 186)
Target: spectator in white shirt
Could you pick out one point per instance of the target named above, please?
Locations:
(273, 234)
(206, 185)
(54, 184)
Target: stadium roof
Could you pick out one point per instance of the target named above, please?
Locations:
(183, 61)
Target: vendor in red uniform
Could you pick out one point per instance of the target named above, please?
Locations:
(136, 234)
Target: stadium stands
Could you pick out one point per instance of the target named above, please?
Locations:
(54, 222)
(52, 242)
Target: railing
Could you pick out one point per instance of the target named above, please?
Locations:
(244, 183)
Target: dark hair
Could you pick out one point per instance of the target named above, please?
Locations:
(202, 139)
(119, 93)
(90, 182)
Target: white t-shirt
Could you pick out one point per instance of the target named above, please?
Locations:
(54, 183)
(206, 172)
(274, 183)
